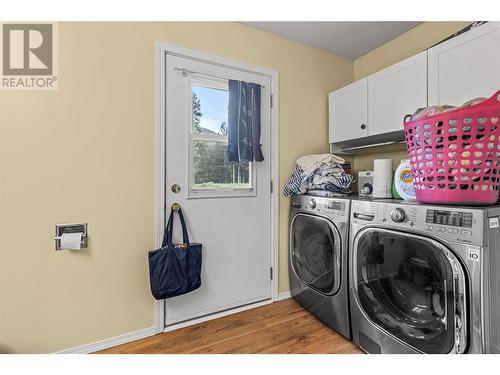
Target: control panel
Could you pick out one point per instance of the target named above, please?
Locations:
(449, 225)
(452, 218)
(335, 205)
(338, 209)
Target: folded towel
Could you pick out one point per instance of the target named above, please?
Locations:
(336, 184)
(325, 193)
(309, 162)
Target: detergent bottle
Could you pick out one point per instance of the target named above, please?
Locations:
(403, 181)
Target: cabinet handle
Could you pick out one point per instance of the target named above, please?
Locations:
(363, 126)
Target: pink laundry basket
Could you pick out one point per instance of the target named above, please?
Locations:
(455, 155)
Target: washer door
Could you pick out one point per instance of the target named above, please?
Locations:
(411, 287)
(315, 252)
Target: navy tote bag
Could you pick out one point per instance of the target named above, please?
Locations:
(174, 269)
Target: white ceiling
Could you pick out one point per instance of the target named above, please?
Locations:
(349, 39)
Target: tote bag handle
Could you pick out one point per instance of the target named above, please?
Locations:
(167, 236)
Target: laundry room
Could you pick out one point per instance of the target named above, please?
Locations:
(191, 183)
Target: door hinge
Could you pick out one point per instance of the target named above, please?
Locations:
(271, 99)
(271, 186)
(271, 273)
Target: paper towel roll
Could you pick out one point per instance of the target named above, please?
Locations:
(382, 178)
(71, 241)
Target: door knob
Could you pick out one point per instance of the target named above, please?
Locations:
(363, 126)
(175, 188)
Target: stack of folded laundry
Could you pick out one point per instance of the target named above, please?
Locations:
(319, 175)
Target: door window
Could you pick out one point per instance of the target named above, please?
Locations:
(315, 252)
(210, 173)
(405, 285)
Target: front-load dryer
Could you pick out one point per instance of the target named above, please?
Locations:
(318, 249)
(424, 278)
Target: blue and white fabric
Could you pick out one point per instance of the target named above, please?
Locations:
(244, 122)
(318, 172)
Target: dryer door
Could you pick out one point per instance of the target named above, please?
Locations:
(315, 252)
(411, 287)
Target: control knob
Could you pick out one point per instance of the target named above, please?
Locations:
(367, 189)
(312, 203)
(398, 215)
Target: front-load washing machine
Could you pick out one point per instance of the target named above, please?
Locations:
(424, 278)
(319, 229)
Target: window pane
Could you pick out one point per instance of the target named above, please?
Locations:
(210, 110)
(211, 170)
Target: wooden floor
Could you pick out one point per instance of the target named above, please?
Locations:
(281, 327)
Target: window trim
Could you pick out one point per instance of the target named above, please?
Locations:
(196, 193)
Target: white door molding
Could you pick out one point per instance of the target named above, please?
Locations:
(162, 50)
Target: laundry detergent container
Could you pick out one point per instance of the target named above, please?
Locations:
(455, 155)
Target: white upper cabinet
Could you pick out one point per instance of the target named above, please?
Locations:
(348, 112)
(466, 66)
(395, 92)
(452, 72)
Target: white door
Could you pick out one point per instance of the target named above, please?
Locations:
(395, 92)
(465, 67)
(227, 206)
(348, 112)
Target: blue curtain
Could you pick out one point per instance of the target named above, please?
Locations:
(244, 122)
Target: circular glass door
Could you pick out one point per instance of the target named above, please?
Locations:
(406, 285)
(315, 252)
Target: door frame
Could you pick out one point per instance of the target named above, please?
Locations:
(162, 49)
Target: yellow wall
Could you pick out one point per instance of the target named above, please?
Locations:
(86, 152)
(408, 44)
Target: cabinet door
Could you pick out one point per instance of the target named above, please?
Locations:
(395, 92)
(466, 66)
(348, 112)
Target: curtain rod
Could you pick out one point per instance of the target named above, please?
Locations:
(185, 72)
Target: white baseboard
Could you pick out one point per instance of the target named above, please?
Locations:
(109, 343)
(284, 295)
